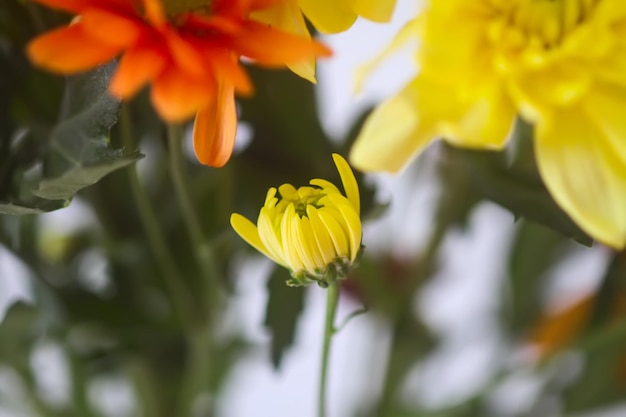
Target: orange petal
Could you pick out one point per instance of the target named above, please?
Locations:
(226, 67)
(186, 56)
(212, 24)
(68, 50)
(137, 67)
(111, 28)
(77, 6)
(239, 8)
(557, 330)
(229, 7)
(275, 47)
(263, 4)
(154, 12)
(215, 127)
(176, 95)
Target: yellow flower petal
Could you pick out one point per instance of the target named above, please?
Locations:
(335, 231)
(299, 242)
(249, 232)
(351, 219)
(348, 180)
(288, 192)
(325, 185)
(392, 135)
(270, 237)
(605, 106)
(322, 237)
(407, 33)
(374, 10)
(584, 174)
(485, 124)
(287, 16)
(289, 240)
(329, 16)
(307, 234)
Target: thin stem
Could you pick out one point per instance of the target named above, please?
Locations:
(163, 256)
(199, 373)
(35, 15)
(202, 251)
(332, 298)
(401, 326)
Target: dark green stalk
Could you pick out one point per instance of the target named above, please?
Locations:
(332, 298)
(172, 278)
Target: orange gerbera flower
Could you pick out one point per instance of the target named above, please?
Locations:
(191, 57)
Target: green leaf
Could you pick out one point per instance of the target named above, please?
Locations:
(79, 150)
(84, 174)
(510, 178)
(18, 332)
(535, 250)
(603, 343)
(283, 310)
(36, 207)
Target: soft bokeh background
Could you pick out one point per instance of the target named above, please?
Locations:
(479, 302)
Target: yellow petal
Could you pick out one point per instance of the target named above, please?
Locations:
(322, 237)
(375, 10)
(329, 16)
(392, 135)
(288, 191)
(286, 16)
(335, 231)
(584, 174)
(351, 221)
(270, 197)
(270, 237)
(289, 239)
(304, 69)
(304, 244)
(307, 234)
(350, 186)
(407, 33)
(325, 185)
(605, 106)
(485, 124)
(249, 232)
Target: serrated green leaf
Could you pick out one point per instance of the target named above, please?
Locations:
(79, 151)
(284, 306)
(37, 207)
(72, 181)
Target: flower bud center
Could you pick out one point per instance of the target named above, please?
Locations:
(305, 196)
(174, 7)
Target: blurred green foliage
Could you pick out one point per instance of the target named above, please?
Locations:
(155, 322)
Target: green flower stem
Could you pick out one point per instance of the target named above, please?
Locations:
(332, 298)
(199, 373)
(202, 250)
(401, 327)
(173, 281)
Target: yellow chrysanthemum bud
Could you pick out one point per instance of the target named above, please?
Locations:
(314, 231)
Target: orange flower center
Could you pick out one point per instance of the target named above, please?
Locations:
(174, 7)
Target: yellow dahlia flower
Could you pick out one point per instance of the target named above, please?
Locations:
(328, 16)
(314, 231)
(558, 64)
